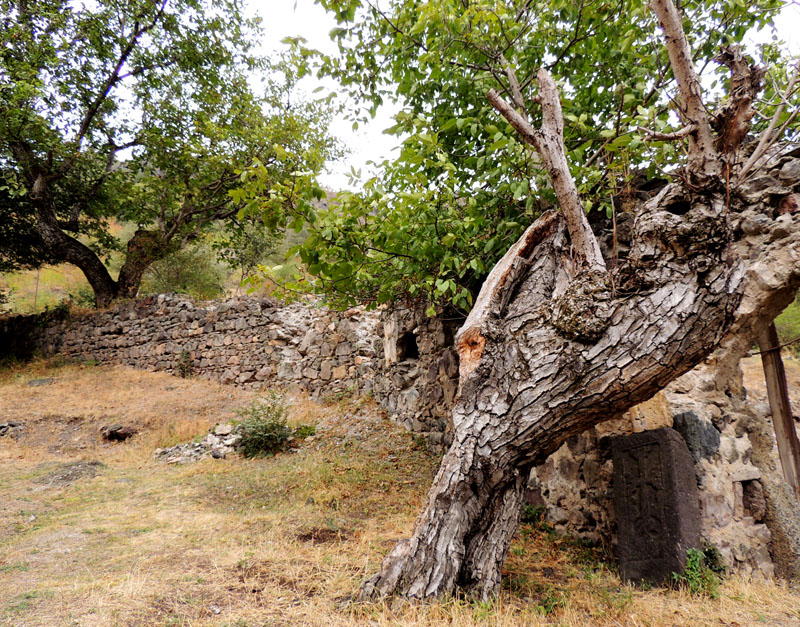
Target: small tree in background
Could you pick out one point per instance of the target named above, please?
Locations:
(140, 111)
(192, 270)
(245, 245)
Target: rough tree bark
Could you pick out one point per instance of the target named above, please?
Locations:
(144, 248)
(71, 250)
(553, 347)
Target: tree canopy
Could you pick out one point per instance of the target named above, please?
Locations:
(143, 112)
(465, 184)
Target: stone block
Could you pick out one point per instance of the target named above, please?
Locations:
(700, 435)
(246, 377)
(652, 414)
(325, 370)
(656, 502)
(343, 349)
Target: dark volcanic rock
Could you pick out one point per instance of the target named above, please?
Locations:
(701, 436)
(655, 497)
(117, 433)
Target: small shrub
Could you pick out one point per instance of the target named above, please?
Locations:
(532, 514)
(263, 428)
(192, 270)
(60, 311)
(83, 297)
(304, 431)
(185, 367)
(702, 573)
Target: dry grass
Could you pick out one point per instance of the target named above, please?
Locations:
(274, 541)
(55, 285)
(64, 418)
(754, 379)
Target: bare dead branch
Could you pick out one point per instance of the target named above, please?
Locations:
(548, 141)
(767, 138)
(703, 156)
(667, 137)
(516, 92)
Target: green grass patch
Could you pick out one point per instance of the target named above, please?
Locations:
(15, 567)
(788, 326)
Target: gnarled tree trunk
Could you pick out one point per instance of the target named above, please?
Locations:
(545, 356)
(144, 248)
(556, 344)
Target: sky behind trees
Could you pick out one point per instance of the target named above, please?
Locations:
(290, 18)
(304, 18)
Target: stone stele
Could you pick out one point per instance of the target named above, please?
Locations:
(655, 497)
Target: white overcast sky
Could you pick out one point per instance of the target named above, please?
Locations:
(285, 18)
(292, 18)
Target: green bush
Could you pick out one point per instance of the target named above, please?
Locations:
(788, 326)
(532, 514)
(263, 428)
(702, 573)
(304, 431)
(192, 270)
(83, 297)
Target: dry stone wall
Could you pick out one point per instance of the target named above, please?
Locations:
(397, 356)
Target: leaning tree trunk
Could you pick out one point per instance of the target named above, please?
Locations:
(555, 344)
(69, 249)
(545, 356)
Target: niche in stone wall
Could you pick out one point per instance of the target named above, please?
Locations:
(749, 500)
(407, 347)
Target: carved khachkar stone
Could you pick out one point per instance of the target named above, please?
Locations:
(655, 497)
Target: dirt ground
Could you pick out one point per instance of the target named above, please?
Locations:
(95, 533)
(753, 373)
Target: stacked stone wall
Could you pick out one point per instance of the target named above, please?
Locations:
(258, 343)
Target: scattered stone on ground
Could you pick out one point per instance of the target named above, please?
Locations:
(219, 442)
(319, 535)
(35, 383)
(117, 433)
(11, 428)
(72, 471)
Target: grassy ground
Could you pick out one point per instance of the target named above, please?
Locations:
(31, 291)
(273, 541)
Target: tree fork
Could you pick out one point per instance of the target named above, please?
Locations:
(549, 143)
